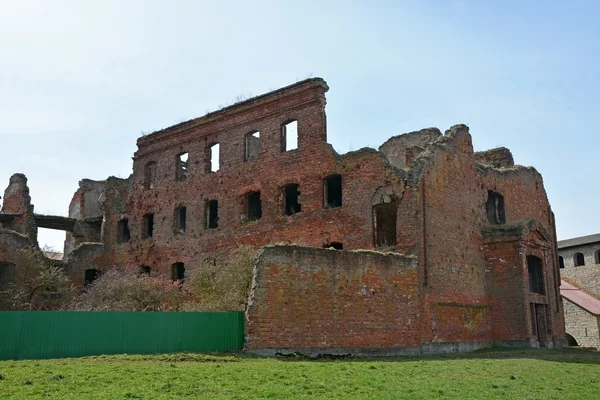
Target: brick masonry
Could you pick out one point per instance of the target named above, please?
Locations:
(468, 281)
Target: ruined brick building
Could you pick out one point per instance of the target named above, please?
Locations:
(442, 248)
(579, 263)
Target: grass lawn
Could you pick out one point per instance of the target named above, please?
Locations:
(489, 374)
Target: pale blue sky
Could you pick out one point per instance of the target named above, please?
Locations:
(80, 81)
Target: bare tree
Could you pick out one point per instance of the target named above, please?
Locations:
(37, 284)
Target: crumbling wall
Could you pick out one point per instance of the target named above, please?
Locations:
(500, 157)
(402, 149)
(316, 225)
(85, 204)
(309, 299)
(17, 205)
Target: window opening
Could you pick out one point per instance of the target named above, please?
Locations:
(145, 270)
(253, 206)
(292, 197)
(561, 262)
(7, 271)
(148, 228)
(333, 191)
(182, 166)
(578, 259)
(289, 136)
(536, 277)
(90, 276)
(180, 219)
(212, 214)
(178, 271)
(252, 146)
(149, 175)
(212, 158)
(495, 208)
(384, 220)
(597, 256)
(334, 245)
(123, 234)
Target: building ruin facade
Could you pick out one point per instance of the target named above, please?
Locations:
(422, 245)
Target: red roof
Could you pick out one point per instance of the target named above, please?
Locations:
(579, 297)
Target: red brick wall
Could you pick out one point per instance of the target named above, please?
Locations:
(362, 173)
(314, 298)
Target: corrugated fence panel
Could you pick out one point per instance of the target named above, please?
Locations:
(56, 334)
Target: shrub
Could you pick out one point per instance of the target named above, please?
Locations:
(37, 284)
(128, 290)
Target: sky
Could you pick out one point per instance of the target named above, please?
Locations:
(81, 81)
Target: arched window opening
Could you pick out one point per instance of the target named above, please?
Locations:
(578, 259)
(571, 340)
(561, 262)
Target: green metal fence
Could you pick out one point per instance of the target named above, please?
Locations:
(56, 334)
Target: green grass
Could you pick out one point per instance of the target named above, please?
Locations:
(490, 374)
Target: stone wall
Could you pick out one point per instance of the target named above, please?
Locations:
(582, 325)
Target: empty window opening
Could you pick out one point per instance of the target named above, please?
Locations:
(149, 175)
(212, 158)
(571, 340)
(578, 259)
(181, 166)
(536, 277)
(495, 208)
(252, 145)
(597, 256)
(178, 271)
(145, 270)
(7, 272)
(561, 262)
(148, 226)
(212, 214)
(292, 199)
(384, 220)
(123, 234)
(180, 219)
(332, 189)
(253, 206)
(90, 276)
(334, 245)
(289, 136)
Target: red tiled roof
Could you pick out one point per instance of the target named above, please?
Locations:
(579, 297)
